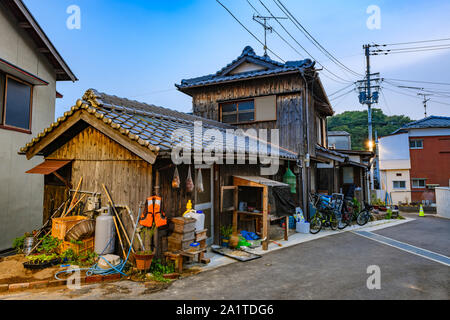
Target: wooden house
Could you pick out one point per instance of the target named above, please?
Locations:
(257, 92)
(127, 145)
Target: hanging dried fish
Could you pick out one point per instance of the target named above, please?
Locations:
(199, 181)
(189, 181)
(176, 179)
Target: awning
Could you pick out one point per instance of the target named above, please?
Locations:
(49, 166)
(18, 72)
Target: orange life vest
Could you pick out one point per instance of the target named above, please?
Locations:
(153, 214)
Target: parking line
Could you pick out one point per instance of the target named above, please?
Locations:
(405, 247)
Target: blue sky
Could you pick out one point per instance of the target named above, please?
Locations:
(139, 49)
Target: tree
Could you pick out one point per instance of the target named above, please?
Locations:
(355, 123)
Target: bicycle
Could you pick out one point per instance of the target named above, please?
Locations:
(364, 215)
(325, 215)
(348, 214)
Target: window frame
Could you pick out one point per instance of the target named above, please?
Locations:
(237, 111)
(5, 126)
(415, 144)
(400, 188)
(419, 179)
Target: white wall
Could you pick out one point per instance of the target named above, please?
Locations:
(21, 195)
(394, 152)
(443, 201)
(398, 195)
(429, 132)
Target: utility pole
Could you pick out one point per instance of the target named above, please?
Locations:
(263, 22)
(425, 100)
(369, 97)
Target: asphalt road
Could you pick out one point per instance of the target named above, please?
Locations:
(333, 267)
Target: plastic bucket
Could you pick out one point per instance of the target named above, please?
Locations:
(302, 227)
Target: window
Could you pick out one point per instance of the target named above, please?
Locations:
(416, 144)
(418, 183)
(238, 112)
(15, 108)
(399, 184)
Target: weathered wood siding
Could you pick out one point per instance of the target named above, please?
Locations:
(100, 160)
(288, 89)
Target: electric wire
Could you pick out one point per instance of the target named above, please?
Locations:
(312, 39)
(257, 39)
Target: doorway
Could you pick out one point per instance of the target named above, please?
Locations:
(204, 201)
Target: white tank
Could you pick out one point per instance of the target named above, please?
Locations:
(105, 234)
(199, 216)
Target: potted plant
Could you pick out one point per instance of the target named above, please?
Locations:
(226, 232)
(41, 261)
(144, 258)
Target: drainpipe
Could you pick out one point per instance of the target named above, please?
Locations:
(306, 170)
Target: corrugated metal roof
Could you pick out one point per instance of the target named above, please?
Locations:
(428, 122)
(272, 67)
(49, 166)
(263, 181)
(153, 126)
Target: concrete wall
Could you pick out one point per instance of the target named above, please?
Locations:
(21, 195)
(394, 152)
(397, 195)
(339, 142)
(443, 202)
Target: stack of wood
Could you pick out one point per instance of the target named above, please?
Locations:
(183, 234)
(200, 237)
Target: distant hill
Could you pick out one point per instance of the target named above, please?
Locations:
(355, 123)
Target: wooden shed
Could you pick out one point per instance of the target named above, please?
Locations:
(127, 146)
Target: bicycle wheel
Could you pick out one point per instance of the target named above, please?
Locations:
(333, 220)
(315, 224)
(342, 224)
(363, 218)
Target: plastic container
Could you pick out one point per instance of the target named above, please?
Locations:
(199, 217)
(302, 227)
(105, 234)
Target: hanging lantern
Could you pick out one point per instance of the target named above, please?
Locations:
(290, 178)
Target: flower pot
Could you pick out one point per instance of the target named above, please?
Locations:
(143, 261)
(225, 242)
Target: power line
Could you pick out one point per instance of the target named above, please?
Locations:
(248, 29)
(273, 29)
(418, 81)
(407, 51)
(385, 101)
(344, 94)
(312, 39)
(411, 42)
(342, 89)
(298, 43)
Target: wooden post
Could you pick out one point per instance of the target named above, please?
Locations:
(265, 235)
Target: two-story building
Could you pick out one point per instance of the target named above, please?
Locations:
(415, 159)
(256, 92)
(30, 66)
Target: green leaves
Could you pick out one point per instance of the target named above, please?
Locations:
(356, 123)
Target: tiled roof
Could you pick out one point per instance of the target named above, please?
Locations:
(428, 122)
(338, 133)
(332, 152)
(148, 125)
(272, 67)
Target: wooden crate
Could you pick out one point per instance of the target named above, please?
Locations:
(175, 245)
(183, 225)
(61, 225)
(183, 236)
(79, 249)
(200, 234)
